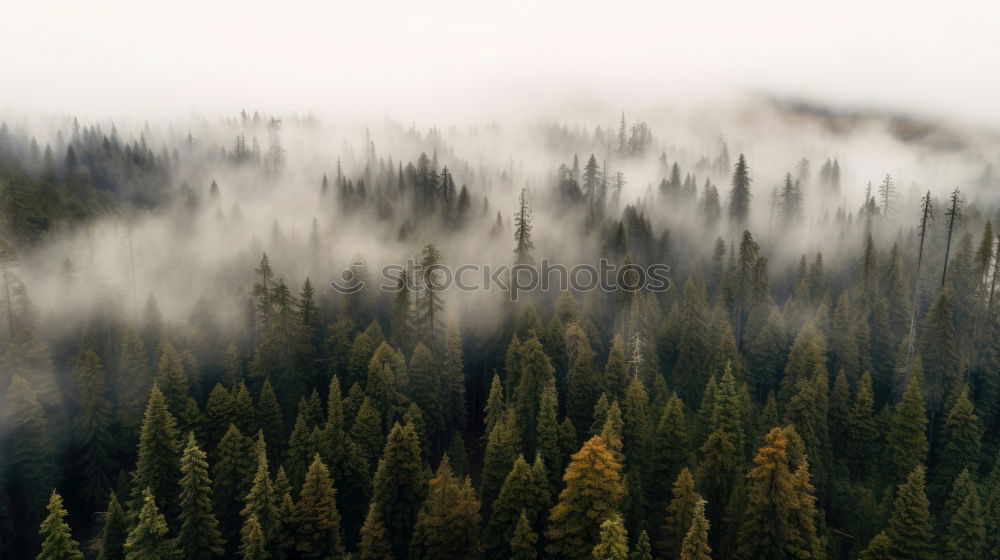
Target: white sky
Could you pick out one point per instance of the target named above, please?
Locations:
(455, 59)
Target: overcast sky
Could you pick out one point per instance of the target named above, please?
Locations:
(468, 59)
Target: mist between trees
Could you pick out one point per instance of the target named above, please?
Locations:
(821, 380)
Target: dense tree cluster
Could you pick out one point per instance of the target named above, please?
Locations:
(753, 411)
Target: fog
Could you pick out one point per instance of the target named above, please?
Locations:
(445, 62)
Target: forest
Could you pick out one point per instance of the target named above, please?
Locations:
(180, 379)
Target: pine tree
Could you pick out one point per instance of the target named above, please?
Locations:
(670, 446)
(584, 383)
(862, 430)
(374, 543)
(199, 538)
(502, 449)
(939, 353)
(966, 533)
(30, 451)
(148, 538)
(494, 410)
(547, 431)
(642, 550)
(739, 196)
(877, 549)
(679, 515)
(134, 378)
(521, 494)
(158, 465)
(315, 516)
(613, 544)
(448, 524)
(591, 495)
(218, 414)
(779, 520)
(171, 379)
(261, 502)
(57, 542)
(907, 437)
(960, 440)
(232, 473)
(253, 545)
(269, 418)
(367, 432)
(427, 388)
(93, 427)
(910, 532)
(399, 486)
(114, 532)
(523, 542)
(695, 545)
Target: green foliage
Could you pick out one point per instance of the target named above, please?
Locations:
(199, 538)
(114, 532)
(966, 533)
(399, 486)
(448, 524)
(906, 440)
(158, 466)
(695, 545)
(148, 538)
(57, 542)
(614, 540)
(910, 532)
(315, 516)
(679, 513)
(592, 493)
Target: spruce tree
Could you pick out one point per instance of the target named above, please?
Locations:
(642, 549)
(583, 380)
(960, 440)
(374, 543)
(57, 542)
(966, 529)
(399, 486)
(93, 427)
(739, 196)
(253, 545)
(114, 532)
(910, 531)
(679, 514)
(520, 494)
(613, 544)
(906, 440)
(232, 473)
(158, 465)
(148, 538)
(261, 502)
(695, 545)
(502, 449)
(779, 519)
(315, 516)
(199, 538)
(448, 524)
(592, 493)
(524, 540)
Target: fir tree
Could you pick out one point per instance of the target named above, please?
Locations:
(114, 532)
(695, 545)
(448, 524)
(148, 538)
(399, 486)
(907, 437)
(523, 541)
(613, 544)
(739, 196)
(315, 516)
(261, 503)
(591, 495)
(966, 533)
(374, 543)
(679, 515)
(158, 465)
(57, 542)
(199, 538)
(910, 532)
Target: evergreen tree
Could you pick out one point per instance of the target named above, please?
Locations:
(269, 418)
(261, 503)
(679, 515)
(670, 446)
(367, 432)
(148, 538)
(30, 451)
(502, 449)
(375, 543)
(877, 549)
(158, 465)
(779, 520)
(315, 516)
(93, 427)
(584, 384)
(232, 473)
(57, 542)
(939, 353)
(399, 486)
(966, 534)
(695, 545)
(591, 495)
(960, 439)
(448, 524)
(199, 538)
(613, 544)
(642, 550)
(521, 494)
(910, 532)
(114, 532)
(906, 440)
(739, 196)
(253, 545)
(523, 541)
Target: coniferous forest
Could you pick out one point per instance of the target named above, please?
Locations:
(183, 376)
